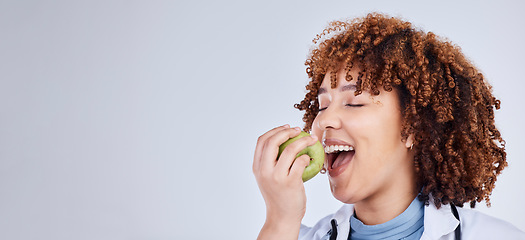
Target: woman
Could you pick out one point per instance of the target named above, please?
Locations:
(407, 123)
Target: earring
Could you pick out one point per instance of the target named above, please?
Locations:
(323, 170)
(411, 146)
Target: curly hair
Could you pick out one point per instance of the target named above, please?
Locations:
(447, 106)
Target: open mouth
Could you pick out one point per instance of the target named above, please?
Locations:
(338, 155)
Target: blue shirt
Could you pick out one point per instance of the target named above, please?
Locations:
(408, 225)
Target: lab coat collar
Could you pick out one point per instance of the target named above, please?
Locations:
(438, 222)
(342, 216)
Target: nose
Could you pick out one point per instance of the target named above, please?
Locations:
(328, 119)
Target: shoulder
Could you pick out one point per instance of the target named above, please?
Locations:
(477, 225)
(318, 231)
(323, 226)
(441, 224)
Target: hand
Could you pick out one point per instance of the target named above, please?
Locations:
(280, 179)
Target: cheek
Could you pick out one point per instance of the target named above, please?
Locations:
(385, 133)
(380, 132)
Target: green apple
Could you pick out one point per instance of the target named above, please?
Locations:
(316, 153)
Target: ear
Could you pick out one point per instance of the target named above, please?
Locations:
(409, 143)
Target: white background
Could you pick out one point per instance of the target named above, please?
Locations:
(138, 119)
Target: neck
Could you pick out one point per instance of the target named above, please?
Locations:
(390, 202)
(378, 213)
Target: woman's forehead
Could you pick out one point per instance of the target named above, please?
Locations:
(342, 87)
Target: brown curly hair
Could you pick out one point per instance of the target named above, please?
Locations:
(446, 104)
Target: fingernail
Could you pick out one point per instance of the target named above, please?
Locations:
(297, 128)
(286, 125)
(314, 137)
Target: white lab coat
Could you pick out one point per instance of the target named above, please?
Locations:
(439, 224)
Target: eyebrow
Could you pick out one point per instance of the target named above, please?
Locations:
(349, 87)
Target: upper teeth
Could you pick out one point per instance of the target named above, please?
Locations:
(334, 148)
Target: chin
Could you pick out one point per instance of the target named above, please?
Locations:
(345, 199)
(343, 194)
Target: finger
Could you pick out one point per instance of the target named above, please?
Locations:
(287, 157)
(260, 145)
(298, 166)
(271, 147)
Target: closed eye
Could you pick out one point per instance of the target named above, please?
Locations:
(348, 105)
(354, 105)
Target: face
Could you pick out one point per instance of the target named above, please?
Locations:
(366, 156)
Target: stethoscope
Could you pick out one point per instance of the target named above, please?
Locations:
(457, 232)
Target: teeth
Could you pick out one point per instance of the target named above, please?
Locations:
(334, 148)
